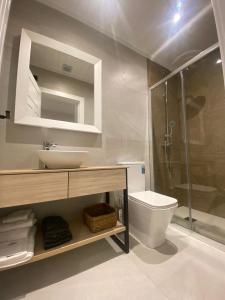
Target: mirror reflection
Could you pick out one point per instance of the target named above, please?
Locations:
(61, 87)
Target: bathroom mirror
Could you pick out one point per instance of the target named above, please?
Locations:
(58, 86)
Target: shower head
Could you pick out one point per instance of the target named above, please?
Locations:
(190, 99)
(195, 102)
(194, 105)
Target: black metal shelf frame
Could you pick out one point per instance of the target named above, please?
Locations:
(124, 245)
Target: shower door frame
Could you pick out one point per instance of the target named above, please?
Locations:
(177, 71)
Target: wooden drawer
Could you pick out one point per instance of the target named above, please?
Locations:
(97, 181)
(32, 188)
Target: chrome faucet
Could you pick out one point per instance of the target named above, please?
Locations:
(48, 145)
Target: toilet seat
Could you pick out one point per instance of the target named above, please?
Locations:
(153, 200)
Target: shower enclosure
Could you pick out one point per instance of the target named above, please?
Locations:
(188, 143)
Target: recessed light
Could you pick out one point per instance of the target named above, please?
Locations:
(176, 17)
(219, 60)
(67, 68)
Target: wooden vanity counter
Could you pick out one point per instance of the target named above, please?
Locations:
(23, 187)
(36, 171)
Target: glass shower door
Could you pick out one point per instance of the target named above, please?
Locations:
(168, 135)
(205, 106)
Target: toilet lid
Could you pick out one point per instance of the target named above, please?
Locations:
(153, 199)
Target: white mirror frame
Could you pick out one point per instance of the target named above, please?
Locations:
(22, 86)
(79, 101)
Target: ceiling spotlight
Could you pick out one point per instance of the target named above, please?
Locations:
(176, 17)
(219, 60)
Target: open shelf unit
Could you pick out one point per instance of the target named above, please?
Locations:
(20, 187)
(81, 236)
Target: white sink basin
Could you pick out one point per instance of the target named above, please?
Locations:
(55, 159)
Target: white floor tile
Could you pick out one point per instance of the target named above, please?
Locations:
(116, 279)
(196, 271)
(184, 268)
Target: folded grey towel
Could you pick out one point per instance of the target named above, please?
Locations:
(52, 244)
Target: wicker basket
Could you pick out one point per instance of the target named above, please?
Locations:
(99, 217)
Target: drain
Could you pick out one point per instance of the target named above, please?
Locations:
(188, 219)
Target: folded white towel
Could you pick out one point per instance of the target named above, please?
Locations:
(18, 215)
(13, 247)
(19, 224)
(16, 234)
(25, 248)
(12, 260)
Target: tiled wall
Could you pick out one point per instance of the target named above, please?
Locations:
(155, 72)
(124, 134)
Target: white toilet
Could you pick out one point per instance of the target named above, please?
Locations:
(149, 213)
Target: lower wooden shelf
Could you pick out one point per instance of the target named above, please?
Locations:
(81, 236)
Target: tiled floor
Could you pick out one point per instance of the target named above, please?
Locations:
(183, 268)
(206, 224)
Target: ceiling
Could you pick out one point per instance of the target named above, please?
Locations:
(147, 26)
(52, 60)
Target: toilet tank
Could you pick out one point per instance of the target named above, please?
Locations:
(136, 176)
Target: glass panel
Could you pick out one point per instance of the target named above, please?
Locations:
(205, 105)
(169, 165)
(62, 86)
(58, 108)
